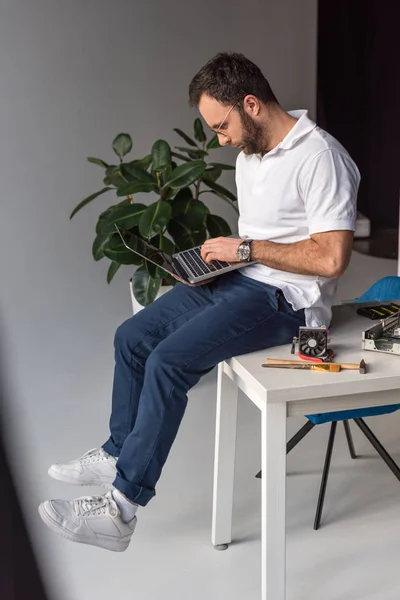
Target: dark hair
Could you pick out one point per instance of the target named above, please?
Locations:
(228, 77)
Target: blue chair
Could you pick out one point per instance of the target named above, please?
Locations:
(385, 289)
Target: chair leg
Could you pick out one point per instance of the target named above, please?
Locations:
(321, 497)
(299, 436)
(349, 439)
(295, 439)
(378, 447)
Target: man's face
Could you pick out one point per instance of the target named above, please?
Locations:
(237, 130)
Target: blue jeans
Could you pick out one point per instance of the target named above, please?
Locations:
(163, 351)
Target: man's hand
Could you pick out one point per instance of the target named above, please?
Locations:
(220, 248)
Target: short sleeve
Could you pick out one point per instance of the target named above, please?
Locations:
(329, 183)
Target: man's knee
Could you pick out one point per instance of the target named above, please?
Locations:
(163, 360)
(126, 333)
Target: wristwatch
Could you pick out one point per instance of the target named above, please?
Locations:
(244, 250)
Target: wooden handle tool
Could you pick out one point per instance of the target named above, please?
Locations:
(332, 367)
(325, 367)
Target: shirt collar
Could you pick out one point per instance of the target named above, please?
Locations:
(303, 126)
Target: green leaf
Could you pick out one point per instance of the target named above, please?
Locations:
(213, 143)
(101, 220)
(97, 161)
(131, 172)
(212, 174)
(135, 187)
(113, 176)
(183, 237)
(161, 155)
(116, 251)
(162, 175)
(144, 287)
(99, 244)
(191, 213)
(187, 139)
(217, 226)
(155, 218)
(168, 194)
(177, 155)
(222, 166)
(164, 244)
(122, 144)
(125, 216)
(192, 153)
(153, 270)
(186, 174)
(219, 188)
(112, 269)
(144, 162)
(88, 199)
(184, 194)
(105, 214)
(199, 131)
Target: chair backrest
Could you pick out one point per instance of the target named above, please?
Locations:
(387, 288)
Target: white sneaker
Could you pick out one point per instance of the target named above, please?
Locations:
(94, 520)
(96, 467)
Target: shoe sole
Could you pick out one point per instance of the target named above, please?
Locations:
(66, 479)
(56, 527)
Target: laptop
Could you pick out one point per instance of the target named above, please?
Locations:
(187, 264)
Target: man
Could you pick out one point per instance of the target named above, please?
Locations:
(297, 189)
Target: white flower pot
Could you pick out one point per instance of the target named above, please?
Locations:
(135, 304)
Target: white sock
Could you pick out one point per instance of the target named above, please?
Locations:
(127, 508)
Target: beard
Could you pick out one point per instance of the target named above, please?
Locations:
(253, 137)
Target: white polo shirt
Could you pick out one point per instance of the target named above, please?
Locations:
(307, 184)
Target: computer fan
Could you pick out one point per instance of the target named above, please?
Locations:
(313, 344)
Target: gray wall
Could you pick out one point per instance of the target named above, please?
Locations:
(72, 75)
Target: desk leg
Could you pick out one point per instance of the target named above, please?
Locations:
(224, 465)
(273, 501)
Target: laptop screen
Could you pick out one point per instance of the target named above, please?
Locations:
(144, 249)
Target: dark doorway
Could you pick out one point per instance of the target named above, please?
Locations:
(359, 103)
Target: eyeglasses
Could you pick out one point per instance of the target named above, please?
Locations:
(217, 131)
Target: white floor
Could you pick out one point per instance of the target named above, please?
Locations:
(354, 556)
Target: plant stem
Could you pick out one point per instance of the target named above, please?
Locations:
(198, 183)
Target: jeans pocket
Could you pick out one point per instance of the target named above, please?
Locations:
(278, 294)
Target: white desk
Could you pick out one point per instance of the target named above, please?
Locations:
(280, 393)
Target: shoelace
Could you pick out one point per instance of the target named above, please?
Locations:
(94, 455)
(95, 505)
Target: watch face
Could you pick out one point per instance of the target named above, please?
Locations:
(244, 251)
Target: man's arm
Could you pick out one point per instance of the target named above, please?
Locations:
(324, 254)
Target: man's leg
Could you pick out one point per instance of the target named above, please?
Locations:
(245, 316)
(109, 521)
(135, 340)
(235, 315)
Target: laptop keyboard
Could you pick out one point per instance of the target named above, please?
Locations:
(193, 260)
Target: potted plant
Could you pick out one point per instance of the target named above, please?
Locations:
(176, 220)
